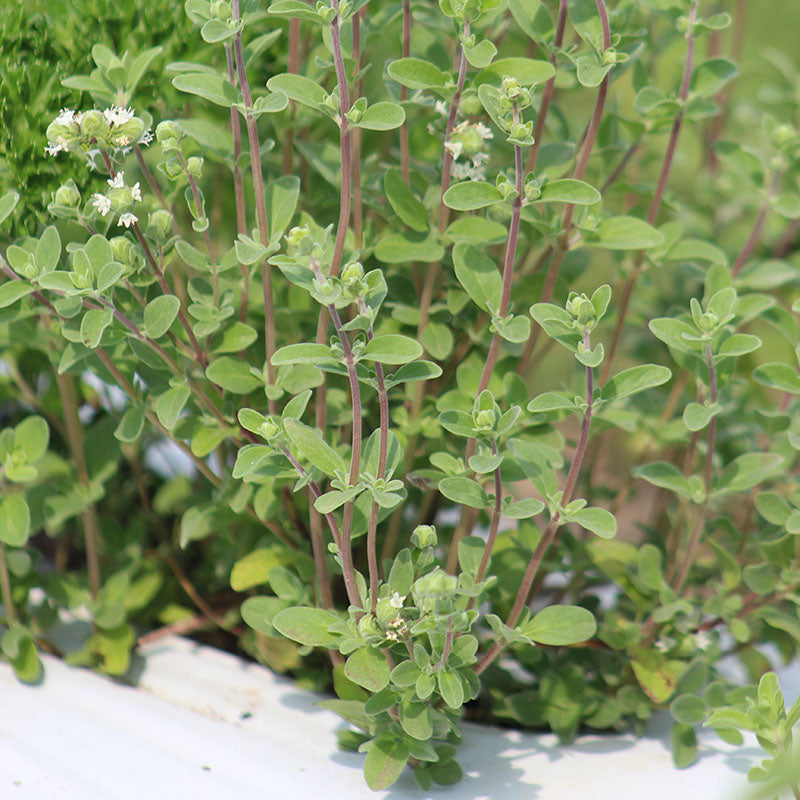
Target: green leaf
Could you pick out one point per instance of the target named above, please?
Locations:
(657, 675)
(15, 520)
(684, 745)
(48, 249)
(215, 30)
(534, 19)
(32, 436)
(665, 475)
(11, 291)
(383, 116)
(738, 345)
(415, 719)
(93, 324)
(281, 197)
(464, 490)
(450, 687)
(778, 376)
(597, 520)
(159, 314)
(437, 339)
(386, 758)
(480, 54)
(169, 405)
(8, 202)
(249, 458)
(773, 507)
(585, 19)
(248, 250)
(404, 203)
(211, 87)
(469, 195)
(568, 190)
(709, 77)
(415, 371)
(392, 348)
(634, 380)
(696, 415)
(747, 471)
(305, 353)
(299, 88)
(313, 447)
(232, 374)
(367, 667)
(131, 425)
(401, 248)
(561, 625)
(624, 233)
(551, 401)
(688, 709)
(477, 230)
(527, 71)
(294, 8)
(254, 568)
(478, 275)
(307, 626)
(416, 74)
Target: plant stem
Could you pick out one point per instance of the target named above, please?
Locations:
(697, 531)
(91, 526)
(563, 245)
(658, 196)
(292, 68)
(260, 202)
(198, 206)
(238, 186)
(355, 452)
(405, 161)
(150, 178)
(5, 587)
(758, 226)
(498, 499)
(521, 599)
(357, 204)
(549, 88)
(468, 516)
(383, 448)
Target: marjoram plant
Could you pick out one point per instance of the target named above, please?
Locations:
(350, 280)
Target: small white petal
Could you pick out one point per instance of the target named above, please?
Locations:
(127, 219)
(118, 181)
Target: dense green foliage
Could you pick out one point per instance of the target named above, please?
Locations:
(354, 263)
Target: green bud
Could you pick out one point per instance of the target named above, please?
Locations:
(511, 87)
(94, 126)
(268, 428)
(708, 321)
(424, 536)
(159, 225)
(194, 166)
(484, 420)
(783, 134)
(168, 135)
(68, 195)
(609, 57)
(353, 271)
(221, 9)
(128, 133)
(124, 250)
(471, 104)
(385, 612)
(436, 585)
(368, 628)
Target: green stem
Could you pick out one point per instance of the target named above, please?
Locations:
(5, 586)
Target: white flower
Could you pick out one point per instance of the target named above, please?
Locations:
(53, 148)
(392, 636)
(440, 107)
(146, 137)
(454, 148)
(66, 116)
(116, 115)
(127, 219)
(118, 181)
(396, 601)
(101, 203)
(484, 131)
(703, 640)
(136, 192)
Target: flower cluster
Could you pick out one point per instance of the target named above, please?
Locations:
(119, 199)
(467, 140)
(90, 132)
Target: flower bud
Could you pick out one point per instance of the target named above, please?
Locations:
(221, 9)
(484, 420)
(68, 195)
(367, 627)
(353, 272)
(424, 536)
(268, 428)
(609, 57)
(159, 225)
(436, 585)
(124, 250)
(194, 166)
(168, 134)
(94, 126)
(708, 321)
(127, 133)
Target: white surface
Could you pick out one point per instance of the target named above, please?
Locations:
(205, 724)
